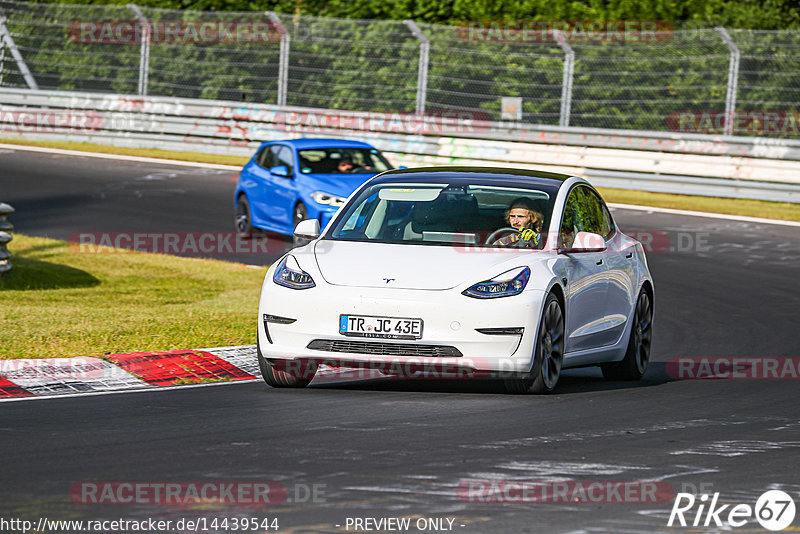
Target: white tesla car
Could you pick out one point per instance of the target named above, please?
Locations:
(425, 273)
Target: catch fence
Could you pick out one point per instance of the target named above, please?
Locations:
(716, 81)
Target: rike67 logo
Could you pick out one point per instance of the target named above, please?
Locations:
(774, 510)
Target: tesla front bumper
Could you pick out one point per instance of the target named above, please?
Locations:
(488, 335)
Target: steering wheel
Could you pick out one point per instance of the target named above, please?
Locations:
(499, 234)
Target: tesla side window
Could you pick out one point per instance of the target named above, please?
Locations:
(598, 217)
(569, 221)
(584, 212)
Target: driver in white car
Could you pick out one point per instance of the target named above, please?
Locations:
(524, 218)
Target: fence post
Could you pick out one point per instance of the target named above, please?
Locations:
(2, 60)
(733, 79)
(5, 36)
(5, 237)
(144, 54)
(424, 59)
(283, 57)
(566, 82)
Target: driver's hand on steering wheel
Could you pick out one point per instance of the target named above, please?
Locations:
(526, 238)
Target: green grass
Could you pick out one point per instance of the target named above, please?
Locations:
(751, 208)
(60, 302)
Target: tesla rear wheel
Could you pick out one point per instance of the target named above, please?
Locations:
(634, 365)
(244, 225)
(285, 378)
(548, 354)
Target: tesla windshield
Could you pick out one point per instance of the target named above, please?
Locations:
(455, 214)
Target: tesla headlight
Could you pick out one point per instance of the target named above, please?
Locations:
(503, 285)
(327, 199)
(289, 274)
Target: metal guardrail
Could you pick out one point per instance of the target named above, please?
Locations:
(5, 237)
(132, 108)
(724, 166)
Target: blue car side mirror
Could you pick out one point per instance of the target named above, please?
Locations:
(402, 167)
(280, 170)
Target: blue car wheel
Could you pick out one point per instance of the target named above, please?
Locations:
(300, 214)
(244, 224)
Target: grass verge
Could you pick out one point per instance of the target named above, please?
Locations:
(750, 208)
(59, 302)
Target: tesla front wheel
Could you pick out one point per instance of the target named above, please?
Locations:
(548, 354)
(633, 366)
(283, 375)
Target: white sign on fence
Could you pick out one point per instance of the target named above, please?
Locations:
(512, 108)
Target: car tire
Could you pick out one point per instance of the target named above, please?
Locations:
(300, 214)
(278, 378)
(637, 356)
(243, 220)
(548, 353)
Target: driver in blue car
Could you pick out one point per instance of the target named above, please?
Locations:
(527, 221)
(345, 166)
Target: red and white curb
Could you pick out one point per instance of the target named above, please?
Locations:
(136, 370)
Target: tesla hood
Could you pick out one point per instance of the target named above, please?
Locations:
(407, 266)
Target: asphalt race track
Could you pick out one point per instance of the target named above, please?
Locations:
(61, 196)
(386, 449)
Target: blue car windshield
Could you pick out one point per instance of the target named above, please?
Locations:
(342, 161)
(443, 214)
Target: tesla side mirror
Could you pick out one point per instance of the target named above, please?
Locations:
(280, 170)
(585, 242)
(308, 229)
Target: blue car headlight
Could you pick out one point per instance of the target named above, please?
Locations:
(503, 285)
(289, 274)
(327, 199)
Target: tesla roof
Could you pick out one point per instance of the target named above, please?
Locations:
(301, 144)
(499, 174)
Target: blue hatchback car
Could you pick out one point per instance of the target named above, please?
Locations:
(286, 182)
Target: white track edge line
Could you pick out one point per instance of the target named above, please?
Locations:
(740, 218)
(139, 159)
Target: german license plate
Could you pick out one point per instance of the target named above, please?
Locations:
(380, 327)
